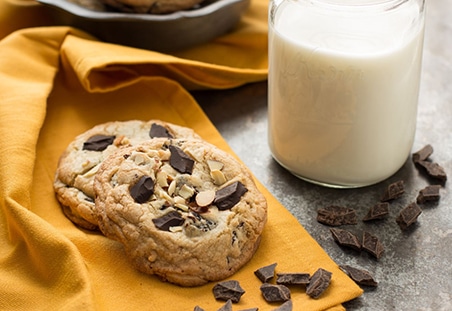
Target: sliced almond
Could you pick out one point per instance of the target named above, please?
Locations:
(218, 177)
(215, 165)
(186, 192)
(205, 198)
(181, 206)
(172, 187)
(162, 179)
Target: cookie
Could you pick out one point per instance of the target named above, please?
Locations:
(151, 6)
(184, 210)
(80, 161)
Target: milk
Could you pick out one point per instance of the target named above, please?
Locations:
(343, 91)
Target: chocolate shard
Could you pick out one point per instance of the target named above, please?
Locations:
(394, 191)
(181, 161)
(275, 293)
(227, 306)
(360, 276)
(98, 142)
(228, 290)
(346, 238)
(422, 154)
(378, 211)
(172, 219)
(292, 278)
(408, 215)
(227, 197)
(318, 283)
(429, 194)
(142, 190)
(265, 274)
(198, 308)
(337, 216)
(158, 130)
(287, 306)
(434, 170)
(250, 309)
(372, 245)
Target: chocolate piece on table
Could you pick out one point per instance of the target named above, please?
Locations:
(142, 190)
(292, 278)
(265, 274)
(159, 131)
(198, 308)
(372, 245)
(250, 309)
(227, 197)
(346, 238)
(428, 194)
(172, 219)
(228, 290)
(287, 306)
(394, 191)
(422, 154)
(378, 211)
(434, 170)
(408, 215)
(360, 276)
(337, 216)
(98, 142)
(227, 306)
(319, 282)
(275, 293)
(180, 161)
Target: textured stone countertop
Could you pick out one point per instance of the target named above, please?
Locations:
(415, 271)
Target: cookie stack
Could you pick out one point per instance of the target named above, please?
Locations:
(184, 210)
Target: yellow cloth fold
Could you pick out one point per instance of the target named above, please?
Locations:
(56, 82)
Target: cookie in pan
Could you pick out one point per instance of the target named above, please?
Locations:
(151, 6)
(184, 210)
(80, 161)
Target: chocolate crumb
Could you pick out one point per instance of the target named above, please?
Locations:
(422, 154)
(198, 308)
(360, 276)
(228, 290)
(98, 142)
(346, 238)
(292, 278)
(227, 306)
(394, 191)
(172, 219)
(434, 170)
(408, 215)
(158, 130)
(428, 194)
(275, 293)
(337, 216)
(180, 161)
(265, 274)
(372, 245)
(318, 283)
(142, 190)
(287, 306)
(250, 309)
(227, 197)
(378, 211)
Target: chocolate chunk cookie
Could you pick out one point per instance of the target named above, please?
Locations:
(184, 210)
(80, 161)
(151, 6)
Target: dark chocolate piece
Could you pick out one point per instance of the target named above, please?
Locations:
(337, 216)
(142, 190)
(181, 161)
(227, 306)
(265, 274)
(275, 293)
(227, 197)
(318, 283)
(428, 194)
(378, 211)
(250, 309)
(345, 238)
(172, 219)
(372, 245)
(360, 276)
(198, 308)
(434, 170)
(422, 154)
(292, 278)
(408, 215)
(159, 131)
(98, 142)
(394, 191)
(287, 306)
(228, 290)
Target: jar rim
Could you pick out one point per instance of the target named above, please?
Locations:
(352, 5)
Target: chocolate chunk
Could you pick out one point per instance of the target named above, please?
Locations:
(228, 290)
(250, 309)
(198, 308)
(422, 154)
(408, 215)
(378, 211)
(429, 194)
(275, 293)
(292, 278)
(172, 219)
(345, 238)
(337, 216)
(227, 197)
(142, 190)
(394, 191)
(287, 306)
(159, 131)
(181, 161)
(98, 142)
(372, 245)
(265, 274)
(318, 283)
(360, 276)
(227, 306)
(434, 170)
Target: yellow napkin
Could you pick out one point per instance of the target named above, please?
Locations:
(56, 82)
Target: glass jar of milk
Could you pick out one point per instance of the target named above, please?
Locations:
(343, 87)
